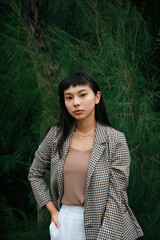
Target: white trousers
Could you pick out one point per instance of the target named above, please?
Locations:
(71, 219)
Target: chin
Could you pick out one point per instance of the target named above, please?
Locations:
(79, 117)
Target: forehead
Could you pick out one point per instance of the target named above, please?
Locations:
(76, 89)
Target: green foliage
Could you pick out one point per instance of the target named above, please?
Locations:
(111, 41)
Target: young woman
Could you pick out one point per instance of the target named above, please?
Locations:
(89, 164)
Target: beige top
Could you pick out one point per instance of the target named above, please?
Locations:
(75, 176)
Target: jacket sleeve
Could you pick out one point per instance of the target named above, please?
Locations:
(112, 225)
(41, 164)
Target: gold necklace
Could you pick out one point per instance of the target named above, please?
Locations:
(84, 135)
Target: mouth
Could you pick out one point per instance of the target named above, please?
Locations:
(78, 111)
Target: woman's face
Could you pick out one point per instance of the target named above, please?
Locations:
(80, 101)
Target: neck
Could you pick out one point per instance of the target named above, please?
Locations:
(85, 126)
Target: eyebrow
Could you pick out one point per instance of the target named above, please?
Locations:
(68, 93)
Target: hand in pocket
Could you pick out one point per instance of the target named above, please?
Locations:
(54, 218)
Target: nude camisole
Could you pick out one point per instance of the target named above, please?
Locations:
(75, 176)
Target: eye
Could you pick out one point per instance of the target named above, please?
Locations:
(68, 98)
(83, 95)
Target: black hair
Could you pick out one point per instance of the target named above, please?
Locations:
(66, 121)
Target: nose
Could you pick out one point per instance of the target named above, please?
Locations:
(76, 101)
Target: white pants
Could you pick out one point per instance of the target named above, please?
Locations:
(71, 219)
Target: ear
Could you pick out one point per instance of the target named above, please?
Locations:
(98, 97)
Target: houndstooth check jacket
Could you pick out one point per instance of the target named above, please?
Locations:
(107, 214)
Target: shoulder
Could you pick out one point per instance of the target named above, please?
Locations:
(116, 135)
(110, 135)
(111, 132)
(53, 133)
(117, 140)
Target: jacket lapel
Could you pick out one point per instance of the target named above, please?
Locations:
(61, 163)
(98, 147)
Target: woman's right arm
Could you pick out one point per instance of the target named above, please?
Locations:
(40, 165)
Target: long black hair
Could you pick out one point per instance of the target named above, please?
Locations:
(66, 121)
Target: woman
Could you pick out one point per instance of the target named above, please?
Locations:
(89, 168)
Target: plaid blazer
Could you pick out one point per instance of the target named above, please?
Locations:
(107, 214)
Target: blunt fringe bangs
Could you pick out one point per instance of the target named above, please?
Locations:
(80, 78)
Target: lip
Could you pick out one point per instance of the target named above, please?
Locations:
(78, 111)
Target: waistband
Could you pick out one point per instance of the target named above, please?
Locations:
(72, 209)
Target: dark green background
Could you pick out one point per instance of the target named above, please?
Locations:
(118, 42)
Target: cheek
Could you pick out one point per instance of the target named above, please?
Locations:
(90, 104)
(91, 101)
(67, 106)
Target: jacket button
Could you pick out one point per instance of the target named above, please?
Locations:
(89, 226)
